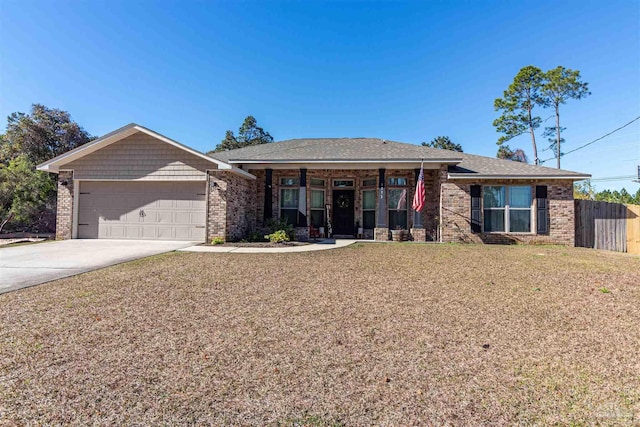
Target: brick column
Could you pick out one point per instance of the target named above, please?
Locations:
(64, 213)
(217, 210)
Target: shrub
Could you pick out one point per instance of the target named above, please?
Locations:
(279, 236)
(217, 241)
(256, 236)
(281, 224)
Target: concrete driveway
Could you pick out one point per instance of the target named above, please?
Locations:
(29, 265)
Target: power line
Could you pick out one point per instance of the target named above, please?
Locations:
(595, 140)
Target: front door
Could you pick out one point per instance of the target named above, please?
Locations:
(343, 212)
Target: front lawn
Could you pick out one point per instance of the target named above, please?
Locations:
(371, 334)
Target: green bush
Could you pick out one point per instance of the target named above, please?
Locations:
(217, 241)
(256, 236)
(279, 236)
(281, 224)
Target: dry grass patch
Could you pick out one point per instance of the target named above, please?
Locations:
(370, 334)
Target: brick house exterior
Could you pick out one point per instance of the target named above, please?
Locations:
(342, 187)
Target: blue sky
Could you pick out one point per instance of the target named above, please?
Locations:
(405, 71)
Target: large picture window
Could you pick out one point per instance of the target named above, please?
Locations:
(507, 208)
(317, 208)
(369, 209)
(397, 208)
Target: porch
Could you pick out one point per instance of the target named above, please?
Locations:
(349, 203)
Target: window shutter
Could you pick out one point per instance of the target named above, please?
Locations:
(542, 218)
(476, 211)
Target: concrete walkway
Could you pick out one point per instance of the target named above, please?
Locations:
(320, 246)
(28, 265)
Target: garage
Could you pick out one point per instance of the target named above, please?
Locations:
(142, 210)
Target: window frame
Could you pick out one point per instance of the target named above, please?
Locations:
(296, 181)
(296, 191)
(353, 183)
(507, 208)
(406, 206)
(374, 185)
(391, 183)
(321, 209)
(367, 210)
(316, 185)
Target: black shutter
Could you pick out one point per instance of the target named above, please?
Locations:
(268, 199)
(542, 218)
(476, 208)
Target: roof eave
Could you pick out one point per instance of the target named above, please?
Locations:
(576, 177)
(452, 161)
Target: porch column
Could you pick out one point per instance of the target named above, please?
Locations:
(268, 195)
(381, 217)
(417, 216)
(302, 199)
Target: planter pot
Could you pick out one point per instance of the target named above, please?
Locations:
(397, 235)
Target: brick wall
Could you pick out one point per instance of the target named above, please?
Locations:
(455, 213)
(231, 212)
(64, 215)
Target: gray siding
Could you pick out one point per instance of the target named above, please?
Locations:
(140, 157)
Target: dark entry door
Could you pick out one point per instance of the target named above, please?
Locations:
(343, 212)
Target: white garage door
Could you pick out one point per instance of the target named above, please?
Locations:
(142, 210)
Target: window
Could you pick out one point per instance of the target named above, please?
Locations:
(397, 208)
(371, 182)
(343, 183)
(507, 208)
(395, 181)
(289, 182)
(369, 209)
(289, 205)
(316, 182)
(317, 208)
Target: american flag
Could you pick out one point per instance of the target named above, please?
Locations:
(418, 198)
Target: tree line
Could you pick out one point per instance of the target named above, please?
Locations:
(584, 190)
(28, 196)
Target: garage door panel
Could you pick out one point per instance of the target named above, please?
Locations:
(165, 203)
(173, 211)
(149, 232)
(198, 217)
(184, 218)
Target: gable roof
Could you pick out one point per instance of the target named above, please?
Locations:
(53, 165)
(375, 150)
(336, 149)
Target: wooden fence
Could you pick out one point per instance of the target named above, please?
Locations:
(610, 226)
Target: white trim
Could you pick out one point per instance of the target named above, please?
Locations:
(341, 164)
(249, 161)
(53, 165)
(164, 179)
(525, 177)
(76, 206)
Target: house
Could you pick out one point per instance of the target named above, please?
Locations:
(134, 183)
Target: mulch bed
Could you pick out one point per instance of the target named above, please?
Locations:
(369, 334)
(260, 244)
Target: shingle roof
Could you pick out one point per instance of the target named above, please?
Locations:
(335, 149)
(473, 165)
(375, 149)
